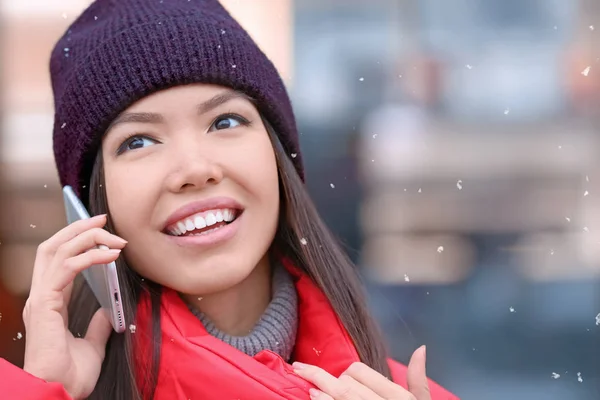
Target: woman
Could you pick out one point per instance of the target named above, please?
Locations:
(178, 134)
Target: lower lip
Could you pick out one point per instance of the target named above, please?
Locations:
(213, 238)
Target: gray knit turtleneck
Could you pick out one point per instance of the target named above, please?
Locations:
(276, 330)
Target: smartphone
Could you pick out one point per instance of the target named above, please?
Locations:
(102, 278)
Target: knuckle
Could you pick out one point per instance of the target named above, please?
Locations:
(43, 248)
(343, 392)
(356, 368)
(70, 264)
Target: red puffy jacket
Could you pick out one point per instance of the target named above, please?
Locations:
(195, 365)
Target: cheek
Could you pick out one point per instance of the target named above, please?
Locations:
(128, 194)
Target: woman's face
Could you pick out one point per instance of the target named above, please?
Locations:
(192, 184)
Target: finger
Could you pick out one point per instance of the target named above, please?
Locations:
(417, 375)
(99, 331)
(327, 383)
(67, 291)
(64, 274)
(46, 249)
(316, 394)
(372, 379)
(358, 389)
(88, 240)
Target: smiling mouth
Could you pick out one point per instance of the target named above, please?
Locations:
(203, 223)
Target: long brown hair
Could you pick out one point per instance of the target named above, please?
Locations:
(320, 256)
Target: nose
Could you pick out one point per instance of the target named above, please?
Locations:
(193, 168)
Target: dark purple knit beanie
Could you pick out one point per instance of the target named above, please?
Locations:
(119, 51)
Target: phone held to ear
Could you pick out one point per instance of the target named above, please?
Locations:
(102, 278)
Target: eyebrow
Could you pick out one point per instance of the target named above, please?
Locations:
(202, 108)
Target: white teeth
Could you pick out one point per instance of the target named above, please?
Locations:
(199, 222)
(211, 219)
(189, 225)
(202, 221)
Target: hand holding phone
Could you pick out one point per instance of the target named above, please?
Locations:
(52, 353)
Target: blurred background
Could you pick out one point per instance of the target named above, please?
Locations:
(452, 145)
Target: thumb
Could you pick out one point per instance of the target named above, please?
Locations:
(417, 375)
(99, 331)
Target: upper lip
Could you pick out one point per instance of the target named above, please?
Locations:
(200, 206)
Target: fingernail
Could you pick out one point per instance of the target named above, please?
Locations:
(114, 251)
(425, 352)
(122, 240)
(298, 365)
(99, 216)
(314, 393)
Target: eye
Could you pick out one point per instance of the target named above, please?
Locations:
(135, 142)
(228, 121)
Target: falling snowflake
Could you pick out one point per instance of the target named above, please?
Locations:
(361, 79)
(440, 249)
(332, 185)
(585, 193)
(469, 66)
(587, 178)
(63, 125)
(419, 190)
(511, 309)
(200, 298)
(406, 278)
(459, 184)
(506, 111)
(64, 15)
(0, 316)
(555, 375)
(559, 147)
(585, 228)
(551, 252)
(303, 241)
(598, 319)
(19, 335)
(95, 18)
(399, 76)
(294, 155)
(223, 31)
(555, 27)
(374, 136)
(32, 226)
(579, 378)
(132, 328)
(317, 352)
(234, 66)
(568, 219)
(45, 186)
(586, 71)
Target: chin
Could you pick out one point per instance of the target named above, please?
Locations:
(209, 279)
